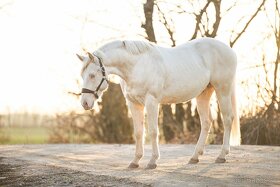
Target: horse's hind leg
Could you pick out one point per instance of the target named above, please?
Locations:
(137, 112)
(203, 107)
(224, 98)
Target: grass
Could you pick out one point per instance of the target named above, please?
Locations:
(24, 135)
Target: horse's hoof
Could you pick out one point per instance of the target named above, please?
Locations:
(220, 160)
(151, 166)
(193, 161)
(133, 166)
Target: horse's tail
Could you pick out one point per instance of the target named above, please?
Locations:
(235, 136)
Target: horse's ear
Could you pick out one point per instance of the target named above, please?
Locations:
(80, 57)
(84, 49)
(90, 56)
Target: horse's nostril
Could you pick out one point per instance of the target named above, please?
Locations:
(85, 104)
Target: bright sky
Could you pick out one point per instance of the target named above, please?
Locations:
(39, 39)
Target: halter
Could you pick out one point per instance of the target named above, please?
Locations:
(85, 90)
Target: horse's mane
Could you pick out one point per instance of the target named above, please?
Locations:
(131, 46)
(137, 47)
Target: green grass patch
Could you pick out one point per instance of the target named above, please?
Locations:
(24, 135)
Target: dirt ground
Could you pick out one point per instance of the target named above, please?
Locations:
(106, 165)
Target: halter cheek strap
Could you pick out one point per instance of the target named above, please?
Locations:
(94, 92)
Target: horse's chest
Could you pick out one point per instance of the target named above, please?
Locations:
(135, 95)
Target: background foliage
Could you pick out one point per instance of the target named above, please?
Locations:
(180, 123)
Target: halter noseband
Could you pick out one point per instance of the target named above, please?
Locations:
(85, 90)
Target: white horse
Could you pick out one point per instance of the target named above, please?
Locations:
(153, 75)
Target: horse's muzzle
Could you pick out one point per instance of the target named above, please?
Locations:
(86, 105)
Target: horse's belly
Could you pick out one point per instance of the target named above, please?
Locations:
(176, 98)
(184, 94)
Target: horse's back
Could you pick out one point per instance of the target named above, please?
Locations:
(210, 46)
(216, 56)
(195, 64)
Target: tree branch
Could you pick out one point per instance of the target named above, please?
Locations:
(232, 42)
(198, 18)
(167, 25)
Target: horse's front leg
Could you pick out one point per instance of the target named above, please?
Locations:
(152, 108)
(137, 112)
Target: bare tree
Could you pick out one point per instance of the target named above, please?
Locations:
(110, 125)
(274, 90)
(236, 35)
(203, 25)
(276, 34)
(264, 127)
(168, 119)
(207, 25)
(148, 25)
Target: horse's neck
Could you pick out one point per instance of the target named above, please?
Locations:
(118, 62)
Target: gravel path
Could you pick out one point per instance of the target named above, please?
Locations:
(106, 165)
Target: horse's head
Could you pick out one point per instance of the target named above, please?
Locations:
(94, 80)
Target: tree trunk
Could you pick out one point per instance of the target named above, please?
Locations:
(180, 116)
(167, 120)
(189, 117)
(168, 123)
(148, 25)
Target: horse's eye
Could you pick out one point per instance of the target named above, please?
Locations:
(91, 76)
